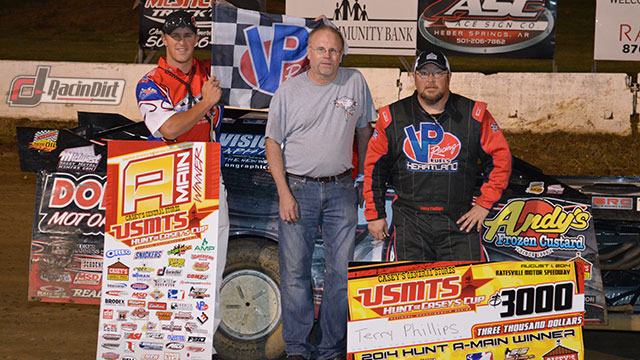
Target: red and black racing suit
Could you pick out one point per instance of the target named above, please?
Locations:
(432, 163)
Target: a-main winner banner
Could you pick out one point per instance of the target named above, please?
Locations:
(489, 311)
(161, 226)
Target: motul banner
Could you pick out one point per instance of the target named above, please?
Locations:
(67, 245)
(490, 28)
(69, 215)
(158, 278)
(428, 311)
(153, 13)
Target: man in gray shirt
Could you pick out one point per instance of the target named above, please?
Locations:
(312, 121)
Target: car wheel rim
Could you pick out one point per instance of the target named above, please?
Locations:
(250, 304)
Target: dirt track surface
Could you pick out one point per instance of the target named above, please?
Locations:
(36, 330)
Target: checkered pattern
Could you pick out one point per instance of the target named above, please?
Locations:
(229, 44)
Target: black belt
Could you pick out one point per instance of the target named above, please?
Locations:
(324, 179)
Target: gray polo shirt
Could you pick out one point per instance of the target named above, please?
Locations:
(316, 123)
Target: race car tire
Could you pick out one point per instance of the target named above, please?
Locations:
(251, 322)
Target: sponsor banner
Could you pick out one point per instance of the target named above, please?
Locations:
(244, 151)
(66, 245)
(51, 90)
(617, 30)
(548, 229)
(152, 15)
(506, 310)
(161, 217)
(370, 27)
(254, 52)
(516, 28)
(30, 90)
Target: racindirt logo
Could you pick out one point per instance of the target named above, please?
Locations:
(486, 27)
(30, 91)
(268, 63)
(152, 190)
(431, 149)
(537, 227)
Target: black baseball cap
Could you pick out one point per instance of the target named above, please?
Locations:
(177, 19)
(435, 57)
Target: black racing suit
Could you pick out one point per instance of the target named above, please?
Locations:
(432, 163)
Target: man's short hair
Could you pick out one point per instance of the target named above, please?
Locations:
(327, 28)
(178, 19)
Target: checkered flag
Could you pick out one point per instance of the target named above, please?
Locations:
(252, 53)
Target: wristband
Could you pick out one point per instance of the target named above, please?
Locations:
(359, 179)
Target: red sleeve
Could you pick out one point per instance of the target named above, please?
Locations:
(377, 168)
(494, 144)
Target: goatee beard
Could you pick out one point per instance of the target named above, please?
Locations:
(432, 100)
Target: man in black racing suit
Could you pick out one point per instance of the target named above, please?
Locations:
(429, 148)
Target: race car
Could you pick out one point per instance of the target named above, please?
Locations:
(250, 296)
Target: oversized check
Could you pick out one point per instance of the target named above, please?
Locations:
(504, 310)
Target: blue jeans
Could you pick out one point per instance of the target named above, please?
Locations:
(332, 207)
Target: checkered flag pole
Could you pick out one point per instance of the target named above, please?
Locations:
(252, 53)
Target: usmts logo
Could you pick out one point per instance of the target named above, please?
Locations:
(430, 149)
(537, 227)
(29, 90)
(268, 63)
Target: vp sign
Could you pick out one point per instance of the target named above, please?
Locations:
(268, 63)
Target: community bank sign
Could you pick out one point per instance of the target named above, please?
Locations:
(31, 90)
(374, 27)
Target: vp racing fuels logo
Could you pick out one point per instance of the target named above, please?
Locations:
(431, 149)
(29, 90)
(268, 63)
(537, 227)
(486, 26)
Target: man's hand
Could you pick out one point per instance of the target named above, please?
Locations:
(288, 208)
(211, 91)
(473, 217)
(379, 229)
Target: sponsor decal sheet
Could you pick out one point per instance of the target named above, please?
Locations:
(517, 28)
(253, 52)
(546, 228)
(488, 311)
(158, 288)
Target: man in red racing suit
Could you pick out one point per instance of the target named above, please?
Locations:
(429, 148)
(178, 102)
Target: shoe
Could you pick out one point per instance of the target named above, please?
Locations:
(215, 357)
(296, 357)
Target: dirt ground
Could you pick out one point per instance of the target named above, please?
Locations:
(36, 330)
